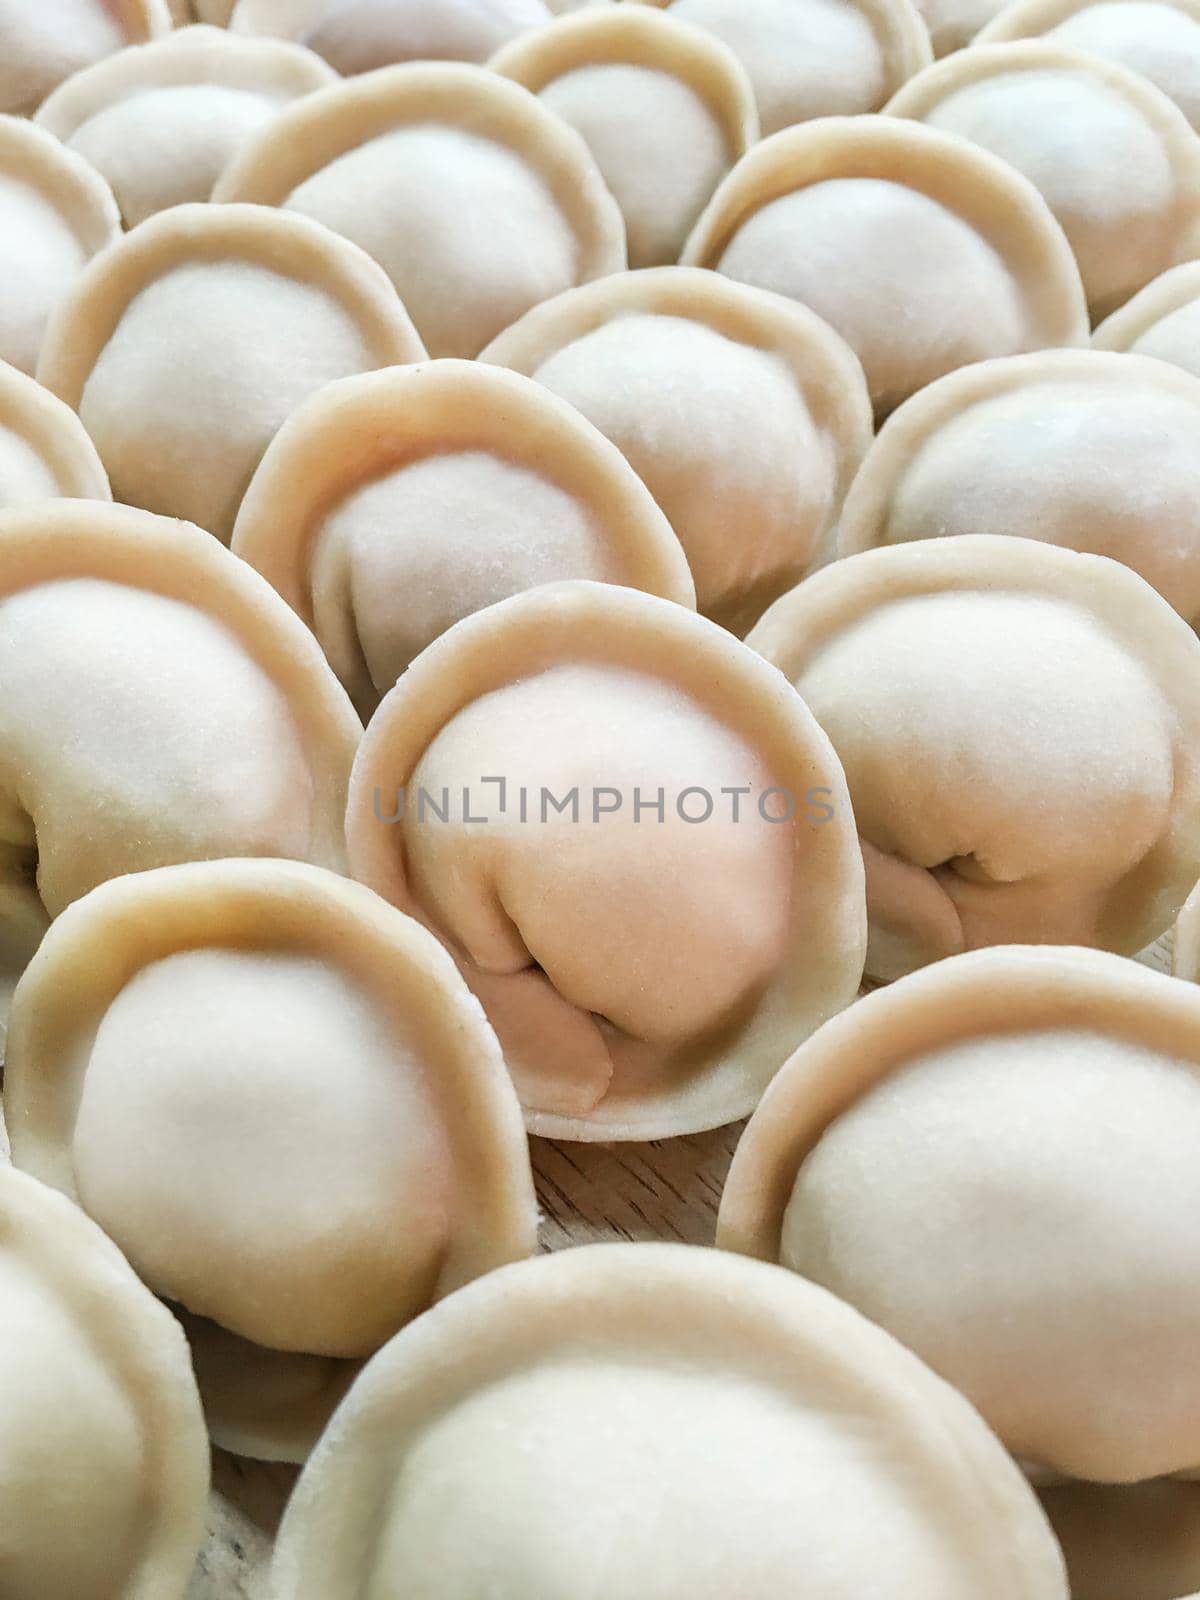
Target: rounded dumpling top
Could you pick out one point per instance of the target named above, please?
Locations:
(994, 1160)
(162, 121)
(1080, 448)
(44, 452)
(329, 1140)
(595, 1409)
(185, 346)
(925, 252)
(666, 110)
(1158, 38)
(637, 841)
(392, 505)
(1122, 174)
(813, 58)
(56, 213)
(45, 43)
(478, 201)
(1162, 321)
(751, 490)
(359, 35)
(161, 704)
(103, 1454)
(1019, 728)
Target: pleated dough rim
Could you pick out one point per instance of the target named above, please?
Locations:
(54, 433)
(65, 180)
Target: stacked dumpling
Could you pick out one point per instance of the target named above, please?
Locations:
(541, 543)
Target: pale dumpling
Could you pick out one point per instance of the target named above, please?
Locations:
(390, 506)
(925, 252)
(44, 452)
(161, 704)
(955, 23)
(162, 121)
(1020, 730)
(995, 1161)
(103, 1453)
(46, 41)
(1121, 171)
(359, 35)
(1158, 38)
(328, 1140)
(56, 213)
(478, 201)
(1162, 321)
(636, 839)
(1079, 448)
(681, 1421)
(666, 110)
(752, 489)
(186, 345)
(814, 58)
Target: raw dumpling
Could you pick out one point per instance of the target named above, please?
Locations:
(955, 23)
(995, 1160)
(1162, 321)
(1079, 448)
(103, 1453)
(186, 345)
(56, 212)
(1121, 172)
(161, 704)
(665, 110)
(752, 489)
(1129, 1542)
(359, 35)
(46, 41)
(1158, 38)
(390, 506)
(328, 1138)
(479, 202)
(162, 121)
(44, 452)
(680, 1421)
(925, 252)
(636, 839)
(815, 58)
(1020, 729)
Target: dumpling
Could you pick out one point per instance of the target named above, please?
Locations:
(46, 41)
(56, 212)
(815, 58)
(186, 345)
(925, 252)
(752, 489)
(955, 23)
(665, 110)
(328, 1138)
(1079, 448)
(44, 452)
(680, 1421)
(160, 704)
(359, 35)
(995, 1161)
(1158, 38)
(638, 843)
(162, 121)
(390, 506)
(103, 1454)
(1140, 1540)
(1020, 730)
(1121, 172)
(1162, 321)
(479, 202)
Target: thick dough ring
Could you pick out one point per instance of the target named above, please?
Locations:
(44, 452)
(46, 41)
(1163, 321)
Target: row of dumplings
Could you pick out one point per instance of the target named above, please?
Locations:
(283, 998)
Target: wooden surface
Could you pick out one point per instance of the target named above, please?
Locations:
(587, 1193)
